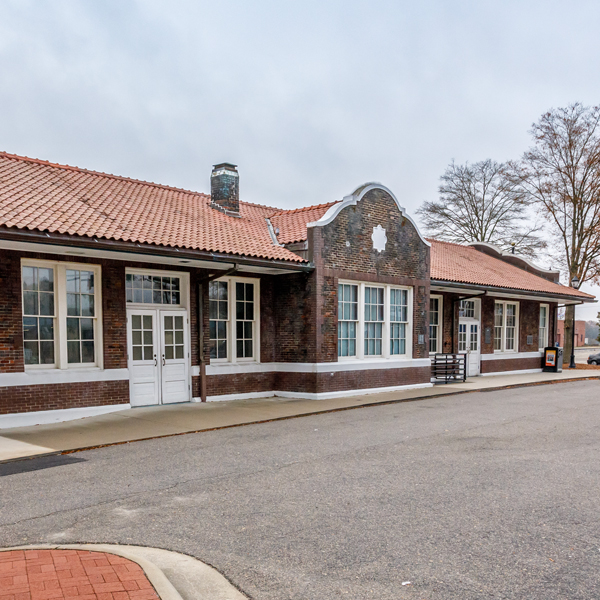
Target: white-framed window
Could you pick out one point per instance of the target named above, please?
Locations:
(347, 319)
(467, 309)
(145, 288)
(62, 315)
(543, 329)
(374, 321)
(233, 319)
(398, 321)
(506, 326)
(435, 324)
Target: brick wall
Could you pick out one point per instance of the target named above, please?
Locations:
(343, 249)
(19, 399)
(11, 324)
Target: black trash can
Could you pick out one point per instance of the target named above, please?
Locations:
(553, 360)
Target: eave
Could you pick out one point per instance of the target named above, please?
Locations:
(52, 243)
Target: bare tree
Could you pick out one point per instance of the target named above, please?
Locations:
(561, 175)
(479, 203)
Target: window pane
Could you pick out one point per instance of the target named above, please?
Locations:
(86, 282)
(250, 311)
(72, 281)
(169, 352)
(30, 303)
(138, 295)
(73, 354)
(137, 353)
(179, 323)
(46, 329)
(46, 304)
(87, 352)
(46, 353)
(87, 329)
(222, 349)
(248, 349)
(30, 278)
(129, 280)
(46, 280)
(31, 352)
(129, 295)
(147, 338)
(179, 337)
(240, 348)
(212, 346)
(212, 329)
(136, 338)
(148, 353)
(148, 296)
(73, 329)
(73, 307)
(168, 337)
(147, 321)
(178, 351)
(137, 282)
(147, 282)
(30, 328)
(136, 321)
(87, 305)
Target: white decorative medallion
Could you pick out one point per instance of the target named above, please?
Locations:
(379, 238)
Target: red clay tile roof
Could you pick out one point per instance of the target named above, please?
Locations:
(292, 223)
(464, 264)
(38, 195)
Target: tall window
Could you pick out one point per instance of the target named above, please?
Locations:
(233, 315)
(505, 326)
(373, 321)
(38, 315)
(219, 316)
(80, 316)
(244, 315)
(60, 313)
(398, 321)
(543, 331)
(434, 324)
(347, 319)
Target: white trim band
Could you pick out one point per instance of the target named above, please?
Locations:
(333, 367)
(509, 355)
(43, 417)
(321, 396)
(523, 372)
(53, 376)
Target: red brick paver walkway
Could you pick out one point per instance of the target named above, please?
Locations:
(71, 575)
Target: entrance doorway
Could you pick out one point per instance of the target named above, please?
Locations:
(469, 342)
(159, 356)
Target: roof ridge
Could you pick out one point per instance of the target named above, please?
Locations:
(302, 208)
(101, 174)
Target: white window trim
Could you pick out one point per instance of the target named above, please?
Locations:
(517, 326)
(60, 312)
(360, 333)
(184, 296)
(440, 325)
(231, 322)
(547, 337)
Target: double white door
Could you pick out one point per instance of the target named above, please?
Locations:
(159, 356)
(469, 344)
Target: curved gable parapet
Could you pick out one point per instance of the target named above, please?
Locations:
(356, 197)
(516, 259)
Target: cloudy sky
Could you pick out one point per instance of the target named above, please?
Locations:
(309, 98)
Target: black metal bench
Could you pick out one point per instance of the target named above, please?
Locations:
(448, 368)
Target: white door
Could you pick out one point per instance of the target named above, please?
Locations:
(468, 343)
(143, 357)
(158, 357)
(174, 357)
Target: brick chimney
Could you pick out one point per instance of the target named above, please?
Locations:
(225, 188)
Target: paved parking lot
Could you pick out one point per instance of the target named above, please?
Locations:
(483, 495)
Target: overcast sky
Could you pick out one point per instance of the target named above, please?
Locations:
(309, 98)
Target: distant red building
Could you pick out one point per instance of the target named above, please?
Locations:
(579, 333)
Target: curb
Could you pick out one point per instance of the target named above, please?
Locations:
(308, 414)
(196, 580)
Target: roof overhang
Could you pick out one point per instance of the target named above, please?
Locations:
(37, 241)
(497, 292)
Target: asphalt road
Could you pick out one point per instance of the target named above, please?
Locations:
(482, 495)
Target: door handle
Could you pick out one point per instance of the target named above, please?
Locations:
(163, 360)
(155, 361)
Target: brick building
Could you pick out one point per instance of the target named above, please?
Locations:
(579, 333)
(118, 293)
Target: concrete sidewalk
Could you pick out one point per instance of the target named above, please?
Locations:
(160, 421)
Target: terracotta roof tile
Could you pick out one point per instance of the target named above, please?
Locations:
(38, 195)
(465, 264)
(292, 223)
